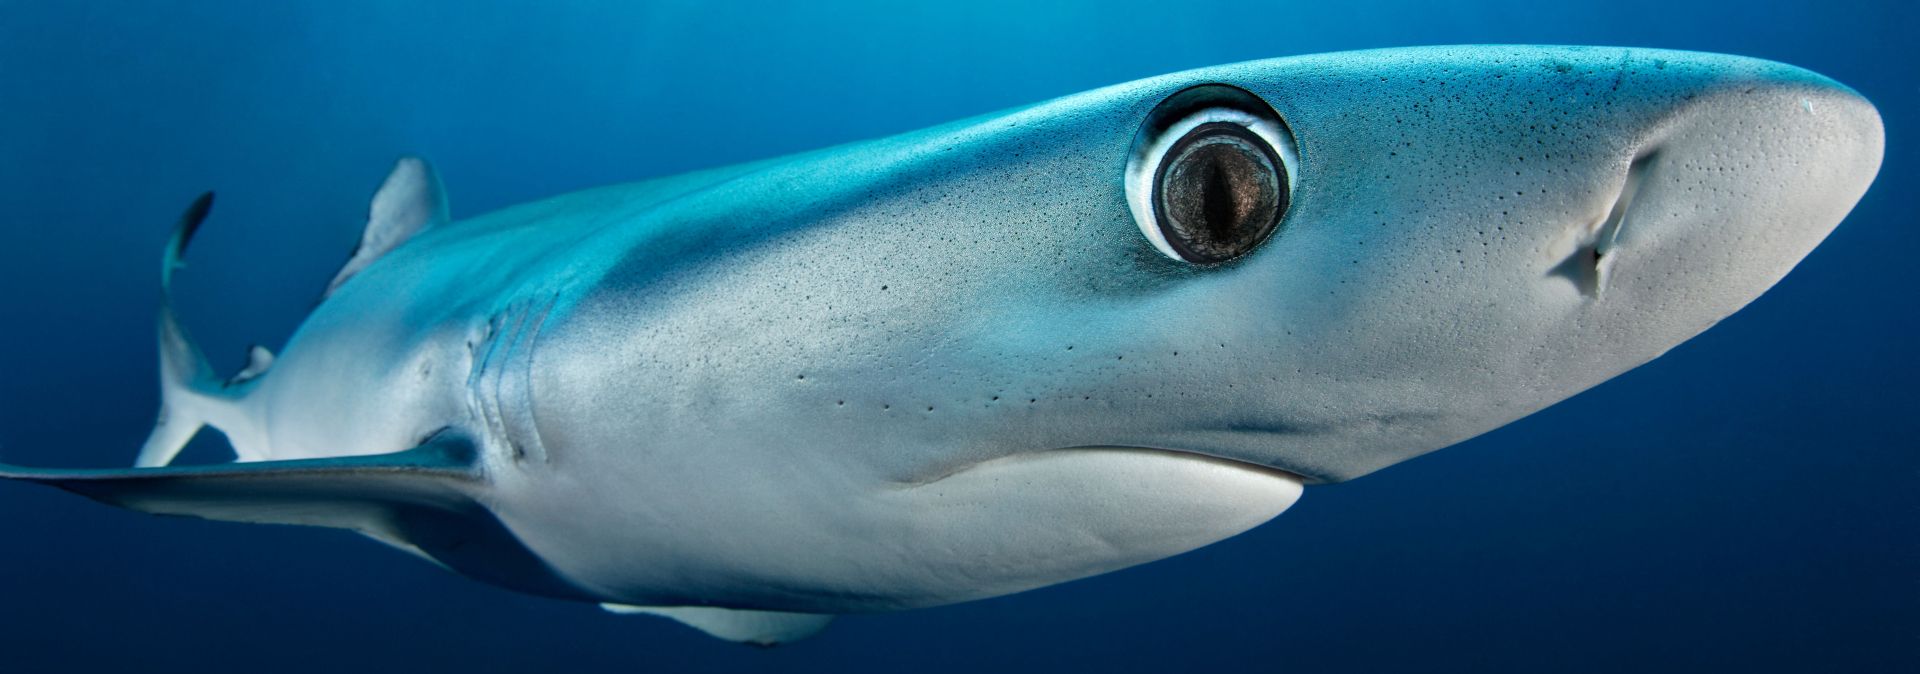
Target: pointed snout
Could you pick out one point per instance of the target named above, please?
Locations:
(1493, 229)
(1727, 193)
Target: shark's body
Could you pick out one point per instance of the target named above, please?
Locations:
(949, 365)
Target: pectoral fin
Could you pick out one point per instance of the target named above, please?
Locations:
(427, 500)
(364, 493)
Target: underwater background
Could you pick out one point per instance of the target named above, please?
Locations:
(1751, 501)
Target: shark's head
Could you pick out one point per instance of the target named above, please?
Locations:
(1105, 329)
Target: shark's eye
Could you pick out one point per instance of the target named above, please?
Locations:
(1211, 174)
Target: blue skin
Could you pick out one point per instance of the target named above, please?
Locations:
(950, 364)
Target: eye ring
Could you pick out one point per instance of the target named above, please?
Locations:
(1211, 174)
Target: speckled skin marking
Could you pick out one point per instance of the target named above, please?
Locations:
(850, 380)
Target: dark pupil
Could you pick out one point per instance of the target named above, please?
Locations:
(1218, 193)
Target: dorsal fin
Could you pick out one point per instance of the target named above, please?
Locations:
(410, 201)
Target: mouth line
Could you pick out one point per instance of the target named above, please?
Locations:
(1052, 453)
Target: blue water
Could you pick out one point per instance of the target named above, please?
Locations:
(1750, 501)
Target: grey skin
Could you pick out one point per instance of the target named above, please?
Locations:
(950, 365)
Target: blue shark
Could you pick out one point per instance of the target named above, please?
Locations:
(1014, 350)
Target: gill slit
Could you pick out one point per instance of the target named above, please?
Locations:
(499, 384)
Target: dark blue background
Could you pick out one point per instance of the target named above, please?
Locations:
(1751, 500)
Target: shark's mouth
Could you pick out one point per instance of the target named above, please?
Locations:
(1022, 461)
(1035, 518)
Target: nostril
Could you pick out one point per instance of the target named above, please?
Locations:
(1591, 259)
(1609, 234)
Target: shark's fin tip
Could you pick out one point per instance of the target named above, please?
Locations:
(410, 201)
(757, 628)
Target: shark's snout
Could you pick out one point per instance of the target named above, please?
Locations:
(1564, 216)
(1724, 196)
